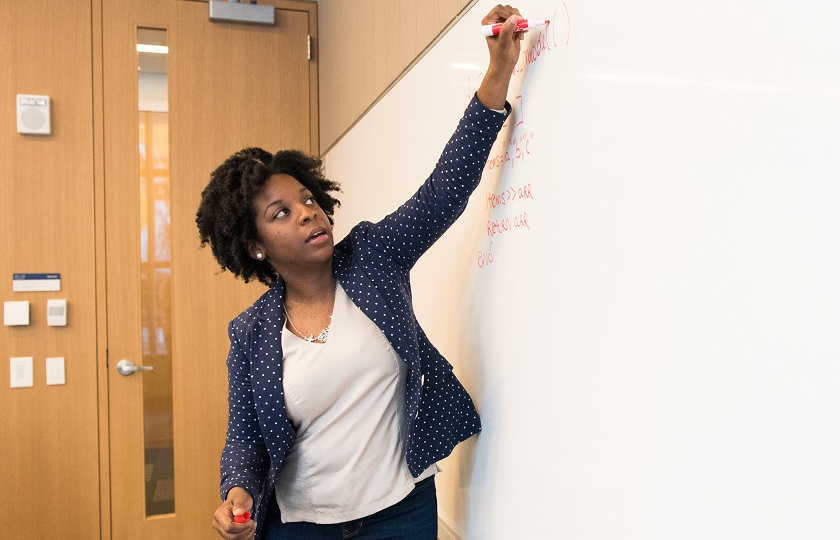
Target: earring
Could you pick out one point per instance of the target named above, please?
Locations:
(259, 256)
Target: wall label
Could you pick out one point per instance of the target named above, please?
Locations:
(36, 282)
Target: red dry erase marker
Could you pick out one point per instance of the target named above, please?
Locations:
(243, 518)
(493, 29)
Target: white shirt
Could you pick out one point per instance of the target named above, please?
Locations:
(346, 401)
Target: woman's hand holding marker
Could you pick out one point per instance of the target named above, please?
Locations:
(504, 53)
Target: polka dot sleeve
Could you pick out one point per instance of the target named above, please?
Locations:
(412, 229)
(244, 459)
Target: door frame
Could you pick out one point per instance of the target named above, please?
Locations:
(105, 364)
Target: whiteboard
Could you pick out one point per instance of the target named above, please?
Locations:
(643, 296)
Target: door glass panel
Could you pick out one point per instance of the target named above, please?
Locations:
(155, 269)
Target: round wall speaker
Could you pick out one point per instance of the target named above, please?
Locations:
(33, 118)
(33, 114)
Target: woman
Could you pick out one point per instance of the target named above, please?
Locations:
(339, 407)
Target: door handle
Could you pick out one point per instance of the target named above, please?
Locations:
(127, 367)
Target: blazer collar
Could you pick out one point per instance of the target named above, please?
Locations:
(270, 304)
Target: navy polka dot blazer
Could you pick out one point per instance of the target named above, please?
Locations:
(372, 264)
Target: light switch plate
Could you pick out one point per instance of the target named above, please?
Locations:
(55, 370)
(16, 313)
(20, 372)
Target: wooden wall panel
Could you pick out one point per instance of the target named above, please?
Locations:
(55, 444)
(49, 442)
(365, 46)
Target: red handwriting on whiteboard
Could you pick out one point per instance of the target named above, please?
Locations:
(517, 113)
(532, 53)
(521, 146)
(568, 23)
(485, 257)
(509, 195)
(517, 148)
(500, 226)
(472, 86)
(533, 50)
(520, 111)
(496, 161)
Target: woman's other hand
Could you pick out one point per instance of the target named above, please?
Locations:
(237, 503)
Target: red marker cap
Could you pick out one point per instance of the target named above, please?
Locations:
(243, 518)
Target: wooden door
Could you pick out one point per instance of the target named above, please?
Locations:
(229, 86)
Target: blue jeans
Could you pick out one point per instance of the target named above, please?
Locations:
(413, 518)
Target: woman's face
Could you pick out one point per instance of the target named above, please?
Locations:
(294, 234)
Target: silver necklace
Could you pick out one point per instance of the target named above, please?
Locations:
(320, 338)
